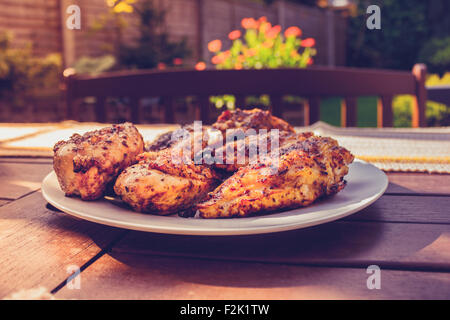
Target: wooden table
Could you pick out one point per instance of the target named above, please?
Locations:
(406, 233)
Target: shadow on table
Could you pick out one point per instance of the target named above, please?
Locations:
(334, 244)
(347, 243)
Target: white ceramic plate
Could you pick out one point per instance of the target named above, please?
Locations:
(365, 184)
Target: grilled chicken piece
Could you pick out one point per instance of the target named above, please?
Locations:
(160, 185)
(167, 179)
(250, 119)
(242, 131)
(172, 138)
(161, 142)
(307, 169)
(253, 149)
(86, 164)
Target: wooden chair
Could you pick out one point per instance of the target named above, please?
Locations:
(311, 83)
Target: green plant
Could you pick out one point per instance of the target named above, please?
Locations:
(154, 48)
(94, 66)
(23, 76)
(115, 20)
(437, 114)
(261, 46)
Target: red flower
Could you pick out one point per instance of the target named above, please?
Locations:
(249, 23)
(218, 59)
(273, 32)
(161, 66)
(294, 54)
(308, 43)
(177, 61)
(293, 32)
(233, 35)
(215, 45)
(200, 66)
(310, 61)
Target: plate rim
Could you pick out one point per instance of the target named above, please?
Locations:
(214, 230)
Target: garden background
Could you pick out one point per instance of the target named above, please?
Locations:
(36, 47)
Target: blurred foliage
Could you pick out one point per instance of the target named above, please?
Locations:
(411, 32)
(119, 6)
(437, 114)
(94, 66)
(395, 46)
(152, 48)
(114, 19)
(436, 54)
(22, 75)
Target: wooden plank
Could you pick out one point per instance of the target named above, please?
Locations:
(100, 109)
(128, 276)
(420, 97)
(385, 116)
(312, 110)
(344, 243)
(424, 209)
(202, 109)
(276, 105)
(135, 105)
(316, 81)
(169, 109)
(240, 101)
(349, 112)
(422, 183)
(71, 102)
(18, 179)
(37, 245)
(3, 202)
(26, 160)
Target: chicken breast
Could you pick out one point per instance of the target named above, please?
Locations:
(253, 149)
(159, 185)
(306, 170)
(85, 164)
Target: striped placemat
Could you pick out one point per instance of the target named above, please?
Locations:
(394, 149)
(40, 142)
(390, 149)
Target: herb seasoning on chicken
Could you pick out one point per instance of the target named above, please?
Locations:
(85, 164)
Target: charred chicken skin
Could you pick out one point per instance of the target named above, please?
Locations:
(250, 119)
(242, 132)
(240, 153)
(307, 170)
(160, 185)
(85, 164)
(295, 170)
